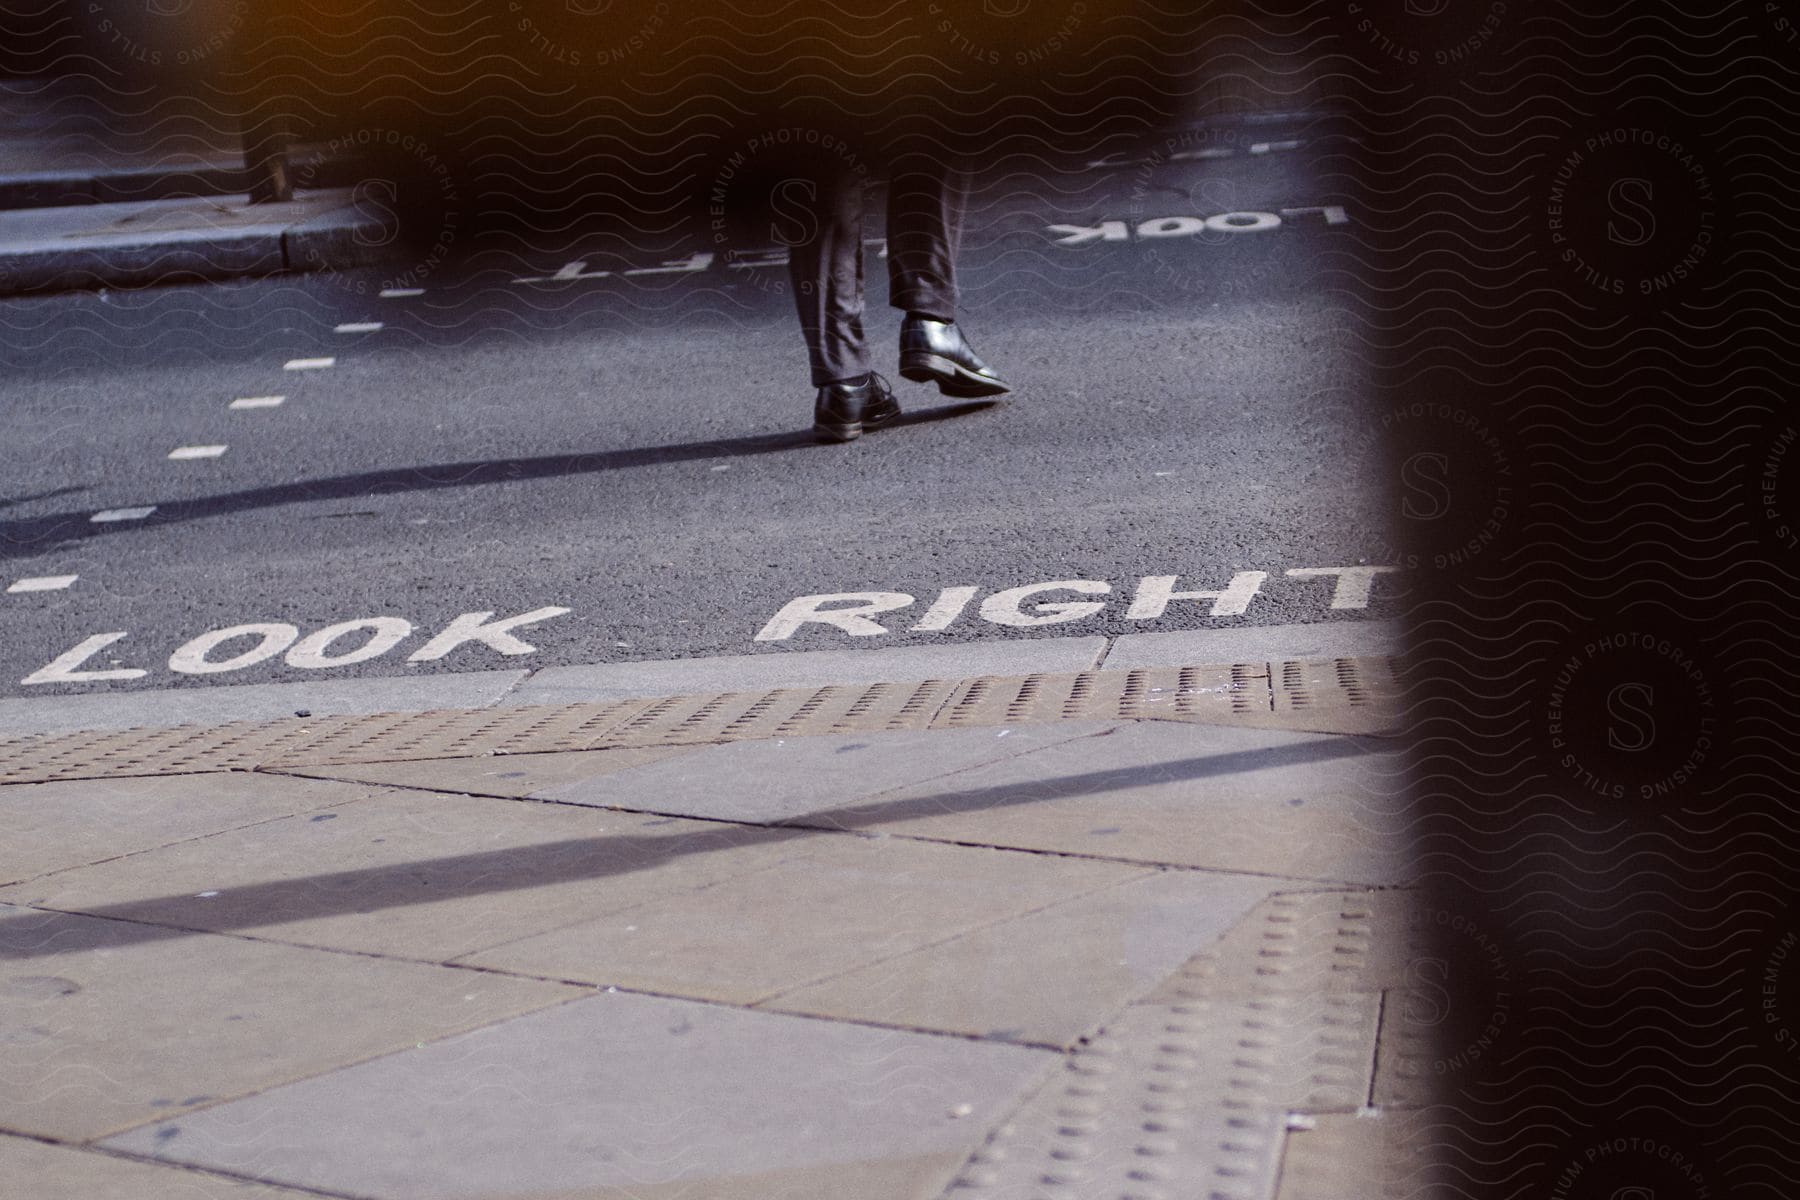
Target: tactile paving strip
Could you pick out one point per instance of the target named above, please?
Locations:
(1180, 1101)
(1330, 943)
(1226, 694)
(1192, 1091)
(1306, 942)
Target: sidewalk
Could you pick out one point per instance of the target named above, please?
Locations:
(101, 189)
(1133, 931)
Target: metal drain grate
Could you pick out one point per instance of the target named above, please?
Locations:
(1169, 693)
(1334, 683)
(1222, 694)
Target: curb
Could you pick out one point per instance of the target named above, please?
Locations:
(158, 241)
(201, 179)
(1352, 696)
(612, 682)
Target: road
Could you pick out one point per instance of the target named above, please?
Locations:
(616, 448)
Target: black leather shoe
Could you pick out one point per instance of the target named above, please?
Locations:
(936, 352)
(845, 411)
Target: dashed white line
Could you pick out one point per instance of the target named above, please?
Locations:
(257, 402)
(43, 583)
(122, 514)
(400, 293)
(308, 364)
(358, 327)
(181, 452)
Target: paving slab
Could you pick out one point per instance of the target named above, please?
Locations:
(1376, 1154)
(163, 707)
(411, 874)
(512, 775)
(807, 668)
(1303, 806)
(103, 1032)
(1048, 977)
(838, 903)
(40, 1171)
(618, 1096)
(779, 779)
(56, 826)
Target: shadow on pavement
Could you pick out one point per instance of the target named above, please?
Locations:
(37, 535)
(44, 934)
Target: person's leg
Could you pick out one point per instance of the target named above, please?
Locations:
(926, 197)
(825, 267)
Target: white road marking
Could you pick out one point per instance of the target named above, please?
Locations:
(385, 634)
(400, 293)
(308, 364)
(1189, 226)
(182, 452)
(1154, 593)
(1113, 163)
(1003, 608)
(567, 272)
(257, 402)
(122, 514)
(239, 646)
(1353, 583)
(738, 260)
(946, 608)
(476, 627)
(1028, 606)
(1334, 214)
(272, 638)
(1241, 222)
(854, 621)
(358, 327)
(62, 669)
(677, 266)
(43, 583)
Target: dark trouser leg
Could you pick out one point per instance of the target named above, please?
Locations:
(924, 227)
(825, 267)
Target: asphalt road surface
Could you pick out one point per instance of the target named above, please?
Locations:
(618, 447)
